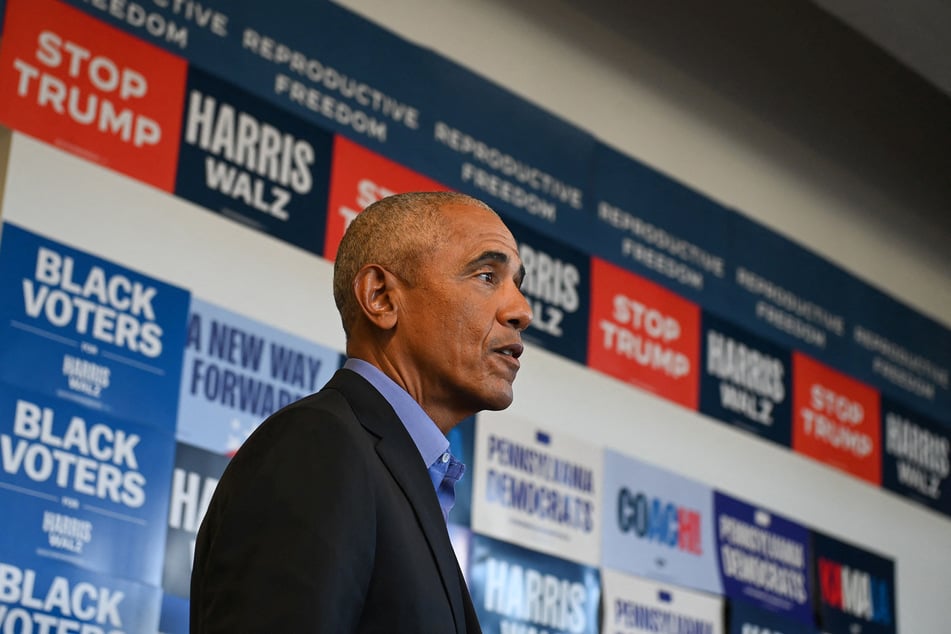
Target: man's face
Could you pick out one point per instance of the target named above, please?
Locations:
(460, 322)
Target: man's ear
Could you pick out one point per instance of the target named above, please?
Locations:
(375, 289)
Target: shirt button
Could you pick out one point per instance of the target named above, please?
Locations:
(445, 457)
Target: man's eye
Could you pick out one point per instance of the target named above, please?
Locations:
(487, 276)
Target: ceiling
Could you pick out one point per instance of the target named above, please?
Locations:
(915, 32)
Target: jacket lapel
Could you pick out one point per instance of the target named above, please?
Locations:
(401, 457)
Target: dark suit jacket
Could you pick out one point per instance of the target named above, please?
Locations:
(326, 520)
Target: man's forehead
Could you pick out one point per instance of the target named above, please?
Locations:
(496, 245)
(477, 223)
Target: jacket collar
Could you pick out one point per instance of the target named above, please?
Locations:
(401, 457)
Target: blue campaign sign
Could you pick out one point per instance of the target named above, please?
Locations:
(658, 524)
(557, 284)
(856, 588)
(745, 380)
(43, 595)
(903, 353)
(658, 228)
(747, 619)
(193, 482)
(523, 161)
(462, 446)
(79, 327)
(515, 589)
(916, 456)
(174, 615)
(249, 161)
(238, 371)
(82, 487)
(764, 558)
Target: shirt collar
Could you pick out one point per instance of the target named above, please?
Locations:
(430, 442)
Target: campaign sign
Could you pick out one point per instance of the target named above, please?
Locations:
(643, 334)
(517, 590)
(856, 588)
(903, 353)
(462, 446)
(358, 179)
(789, 294)
(538, 489)
(523, 161)
(836, 419)
(83, 328)
(237, 372)
(745, 381)
(764, 558)
(556, 285)
(86, 87)
(658, 524)
(193, 482)
(633, 605)
(253, 163)
(47, 596)
(747, 619)
(82, 487)
(916, 456)
(652, 225)
(174, 615)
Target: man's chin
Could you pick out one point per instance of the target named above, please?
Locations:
(498, 402)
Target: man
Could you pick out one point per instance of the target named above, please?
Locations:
(331, 517)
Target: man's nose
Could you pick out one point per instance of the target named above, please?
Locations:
(517, 311)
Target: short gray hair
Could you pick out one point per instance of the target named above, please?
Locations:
(398, 233)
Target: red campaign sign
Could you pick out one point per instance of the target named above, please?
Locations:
(358, 178)
(90, 89)
(836, 419)
(644, 334)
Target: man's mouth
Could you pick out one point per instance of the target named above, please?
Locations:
(513, 350)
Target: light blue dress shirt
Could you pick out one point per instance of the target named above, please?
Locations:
(444, 469)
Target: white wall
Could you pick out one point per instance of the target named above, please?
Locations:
(658, 114)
